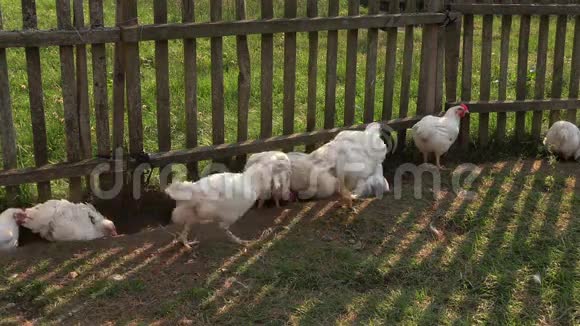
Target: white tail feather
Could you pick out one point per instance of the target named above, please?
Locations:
(180, 190)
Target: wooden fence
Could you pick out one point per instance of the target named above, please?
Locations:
(441, 35)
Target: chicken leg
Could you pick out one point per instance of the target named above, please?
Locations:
(439, 166)
(232, 237)
(183, 237)
(425, 157)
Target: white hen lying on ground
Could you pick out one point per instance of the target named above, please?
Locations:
(222, 198)
(563, 139)
(436, 134)
(61, 220)
(356, 158)
(9, 232)
(279, 165)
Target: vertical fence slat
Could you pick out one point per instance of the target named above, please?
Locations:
(312, 11)
(217, 77)
(371, 66)
(390, 66)
(331, 57)
(100, 94)
(36, 98)
(406, 73)
(162, 80)
(190, 80)
(485, 76)
(466, 78)
(506, 26)
(69, 96)
(523, 46)
(557, 73)
(82, 84)
(539, 87)
(244, 79)
(452, 47)
(133, 83)
(119, 84)
(7, 132)
(289, 72)
(575, 70)
(267, 73)
(428, 69)
(351, 64)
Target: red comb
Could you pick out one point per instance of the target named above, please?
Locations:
(464, 106)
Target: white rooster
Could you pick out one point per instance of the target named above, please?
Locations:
(61, 220)
(9, 232)
(356, 157)
(436, 134)
(309, 180)
(221, 198)
(279, 165)
(563, 139)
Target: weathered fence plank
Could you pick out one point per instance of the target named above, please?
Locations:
(7, 132)
(452, 49)
(217, 78)
(466, 77)
(82, 84)
(190, 81)
(277, 25)
(390, 66)
(162, 80)
(506, 26)
(485, 76)
(351, 65)
(428, 69)
(575, 69)
(64, 170)
(69, 96)
(289, 73)
(331, 57)
(406, 74)
(312, 11)
(267, 74)
(516, 9)
(100, 92)
(522, 69)
(133, 84)
(558, 68)
(539, 87)
(371, 66)
(520, 105)
(36, 98)
(244, 80)
(119, 85)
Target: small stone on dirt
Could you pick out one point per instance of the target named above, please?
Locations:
(13, 276)
(73, 275)
(10, 305)
(358, 245)
(326, 237)
(117, 277)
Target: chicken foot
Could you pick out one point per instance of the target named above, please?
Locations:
(183, 237)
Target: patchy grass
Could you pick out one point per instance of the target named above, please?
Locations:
(12, 19)
(508, 255)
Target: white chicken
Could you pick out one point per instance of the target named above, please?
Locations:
(356, 157)
(436, 134)
(310, 181)
(563, 139)
(221, 198)
(279, 165)
(61, 220)
(9, 232)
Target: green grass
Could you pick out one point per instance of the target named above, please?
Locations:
(331, 267)
(12, 20)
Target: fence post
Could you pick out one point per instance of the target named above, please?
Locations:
(452, 44)
(36, 98)
(466, 71)
(371, 66)
(575, 70)
(190, 81)
(7, 132)
(82, 84)
(312, 11)
(331, 57)
(429, 59)
(406, 73)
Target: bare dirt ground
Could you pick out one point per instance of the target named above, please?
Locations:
(312, 262)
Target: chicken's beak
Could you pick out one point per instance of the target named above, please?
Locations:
(20, 217)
